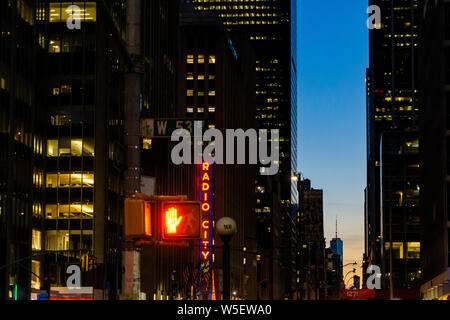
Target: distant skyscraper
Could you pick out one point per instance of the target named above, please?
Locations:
(392, 193)
(311, 259)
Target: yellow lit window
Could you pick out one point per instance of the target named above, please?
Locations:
(397, 249)
(52, 148)
(413, 250)
(62, 12)
(36, 274)
(147, 144)
(190, 58)
(201, 58)
(36, 243)
(190, 93)
(212, 59)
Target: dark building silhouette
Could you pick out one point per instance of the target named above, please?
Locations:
(435, 148)
(68, 131)
(312, 259)
(392, 194)
(208, 74)
(271, 27)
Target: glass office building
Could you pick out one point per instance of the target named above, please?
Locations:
(392, 193)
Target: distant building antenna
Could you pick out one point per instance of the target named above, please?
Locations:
(336, 227)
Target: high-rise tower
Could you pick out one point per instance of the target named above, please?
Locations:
(271, 26)
(392, 194)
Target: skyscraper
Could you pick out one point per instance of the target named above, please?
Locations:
(435, 148)
(392, 193)
(271, 26)
(67, 133)
(311, 275)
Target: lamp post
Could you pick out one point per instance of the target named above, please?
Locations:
(226, 228)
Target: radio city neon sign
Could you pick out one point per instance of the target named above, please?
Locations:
(205, 199)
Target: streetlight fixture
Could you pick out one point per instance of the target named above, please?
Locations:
(354, 271)
(226, 228)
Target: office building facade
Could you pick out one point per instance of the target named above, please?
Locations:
(392, 194)
(74, 128)
(435, 147)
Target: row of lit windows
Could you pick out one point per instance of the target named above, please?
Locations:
(241, 15)
(190, 76)
(249, 22)
(200, 110)
(73, 180)
(190, 93)
(412, 250)
(61, 241)
(407, 108)
(200, 59)
(233, 7)
(62, 12)
(70, 147)
(69, 211)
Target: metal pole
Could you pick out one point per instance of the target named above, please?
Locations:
(391, 282)
(132, 96)
(226, 269)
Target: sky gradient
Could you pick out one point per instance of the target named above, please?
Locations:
(333, 57)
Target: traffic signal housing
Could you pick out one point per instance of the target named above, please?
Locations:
(137, 219)
(181, 220)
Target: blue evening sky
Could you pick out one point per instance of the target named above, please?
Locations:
(333, 56)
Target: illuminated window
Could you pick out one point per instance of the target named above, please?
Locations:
(77, 147)
(212, 59)
(54, 46)
(60, 12)
(201, 58)
(36, 241)
(147, 144)
(413, 250)
(36, 274)
(57, 241)
(88, 147)
(190, 58)
(397, 252)
(52, 148)
(190, 93)
(56, 91)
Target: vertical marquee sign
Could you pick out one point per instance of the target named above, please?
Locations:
(205, 194)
